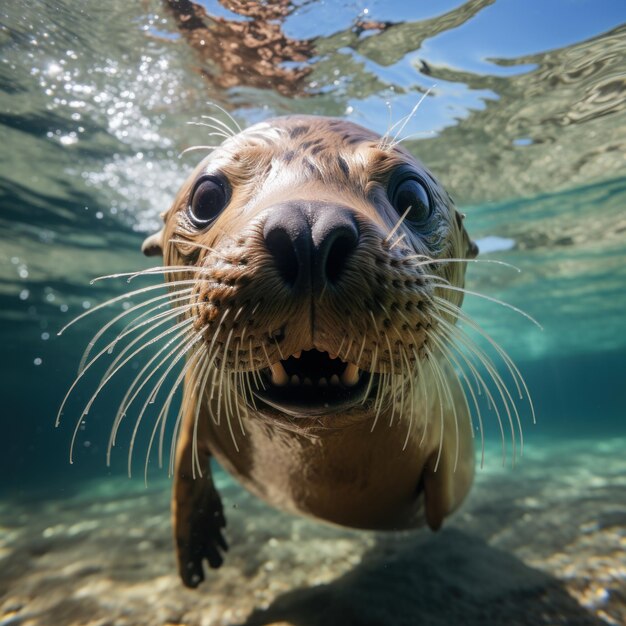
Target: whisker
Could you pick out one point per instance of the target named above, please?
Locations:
(153, 323)
(179, 309)
(393, 397)
(280, 352)
(170, 397)
(370, 382)
(174, 440)
(445, 385)
(347, 350)
(383, 140)
(448, 352)
(86, 410)
(96, 337)
(397, 241)
(412, 397)
(220, 124)
(217, 370)
(404, 121)
(178, 338)
(267, 357)
(423, 392)
(421, 133)
(413, 400)
(241, 386)
(195, 148)
(459, 337)
(162, 416)
(343, 339)
(511, 367)
(418, 373)
(510, 364)
(155, 390)
(227, 114)
(398, 224)
(199, 389)
(380, 397)
(124, 296)
(499, 383)
(358, 360)
(255, 373)
(490, 299)
(214, 134)
(164, 269)
(227, 396)
(94, 359)
(434, 368)
(429, 261)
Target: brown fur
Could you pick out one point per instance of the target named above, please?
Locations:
(381, 317)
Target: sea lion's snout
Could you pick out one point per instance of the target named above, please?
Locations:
(310, 242)
(310, 245)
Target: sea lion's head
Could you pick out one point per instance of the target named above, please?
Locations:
(323, 263)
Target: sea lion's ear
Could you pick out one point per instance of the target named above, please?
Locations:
(153, 245)
(472, 249)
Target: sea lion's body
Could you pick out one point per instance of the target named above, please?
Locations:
(296, 234)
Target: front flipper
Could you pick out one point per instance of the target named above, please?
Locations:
(198, 515)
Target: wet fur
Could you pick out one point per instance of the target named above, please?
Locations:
(331, 467)
(401, 458)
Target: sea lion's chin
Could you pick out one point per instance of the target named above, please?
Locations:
(311, 384)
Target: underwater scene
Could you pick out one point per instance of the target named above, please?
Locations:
(345, 430)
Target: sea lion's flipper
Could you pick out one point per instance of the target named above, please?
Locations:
(153, 245)
(197, 512)
(198, 523)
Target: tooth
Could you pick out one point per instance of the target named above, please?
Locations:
(279, 375)
(334, 379)
(295, 380)
(350, 376)
(322, 382)
(307, 381)
(297, 355)
(332, 355)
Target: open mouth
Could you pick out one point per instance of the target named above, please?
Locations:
(311, 383)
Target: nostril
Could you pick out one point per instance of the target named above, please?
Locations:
(340, 246)
(310, 243)
(281, 247)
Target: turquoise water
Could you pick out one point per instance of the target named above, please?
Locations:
(524, 123)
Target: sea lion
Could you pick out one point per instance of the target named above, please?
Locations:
(316, 271)
(311, 240)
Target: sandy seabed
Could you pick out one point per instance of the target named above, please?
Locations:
(542, 543)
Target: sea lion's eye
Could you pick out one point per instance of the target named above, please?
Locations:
(410, 196)
(208, 199)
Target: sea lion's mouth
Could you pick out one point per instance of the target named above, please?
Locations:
(312, 383)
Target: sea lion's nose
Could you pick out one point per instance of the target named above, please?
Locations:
(335, 236)
(310, 242)
(287, 236)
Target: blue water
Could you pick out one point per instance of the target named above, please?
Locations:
(525, 124)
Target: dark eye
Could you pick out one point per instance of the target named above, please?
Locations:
(411, 197)
(207, 201)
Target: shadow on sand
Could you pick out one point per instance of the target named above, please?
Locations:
(453, 578)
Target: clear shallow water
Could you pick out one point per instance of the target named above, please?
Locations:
(525, 124)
